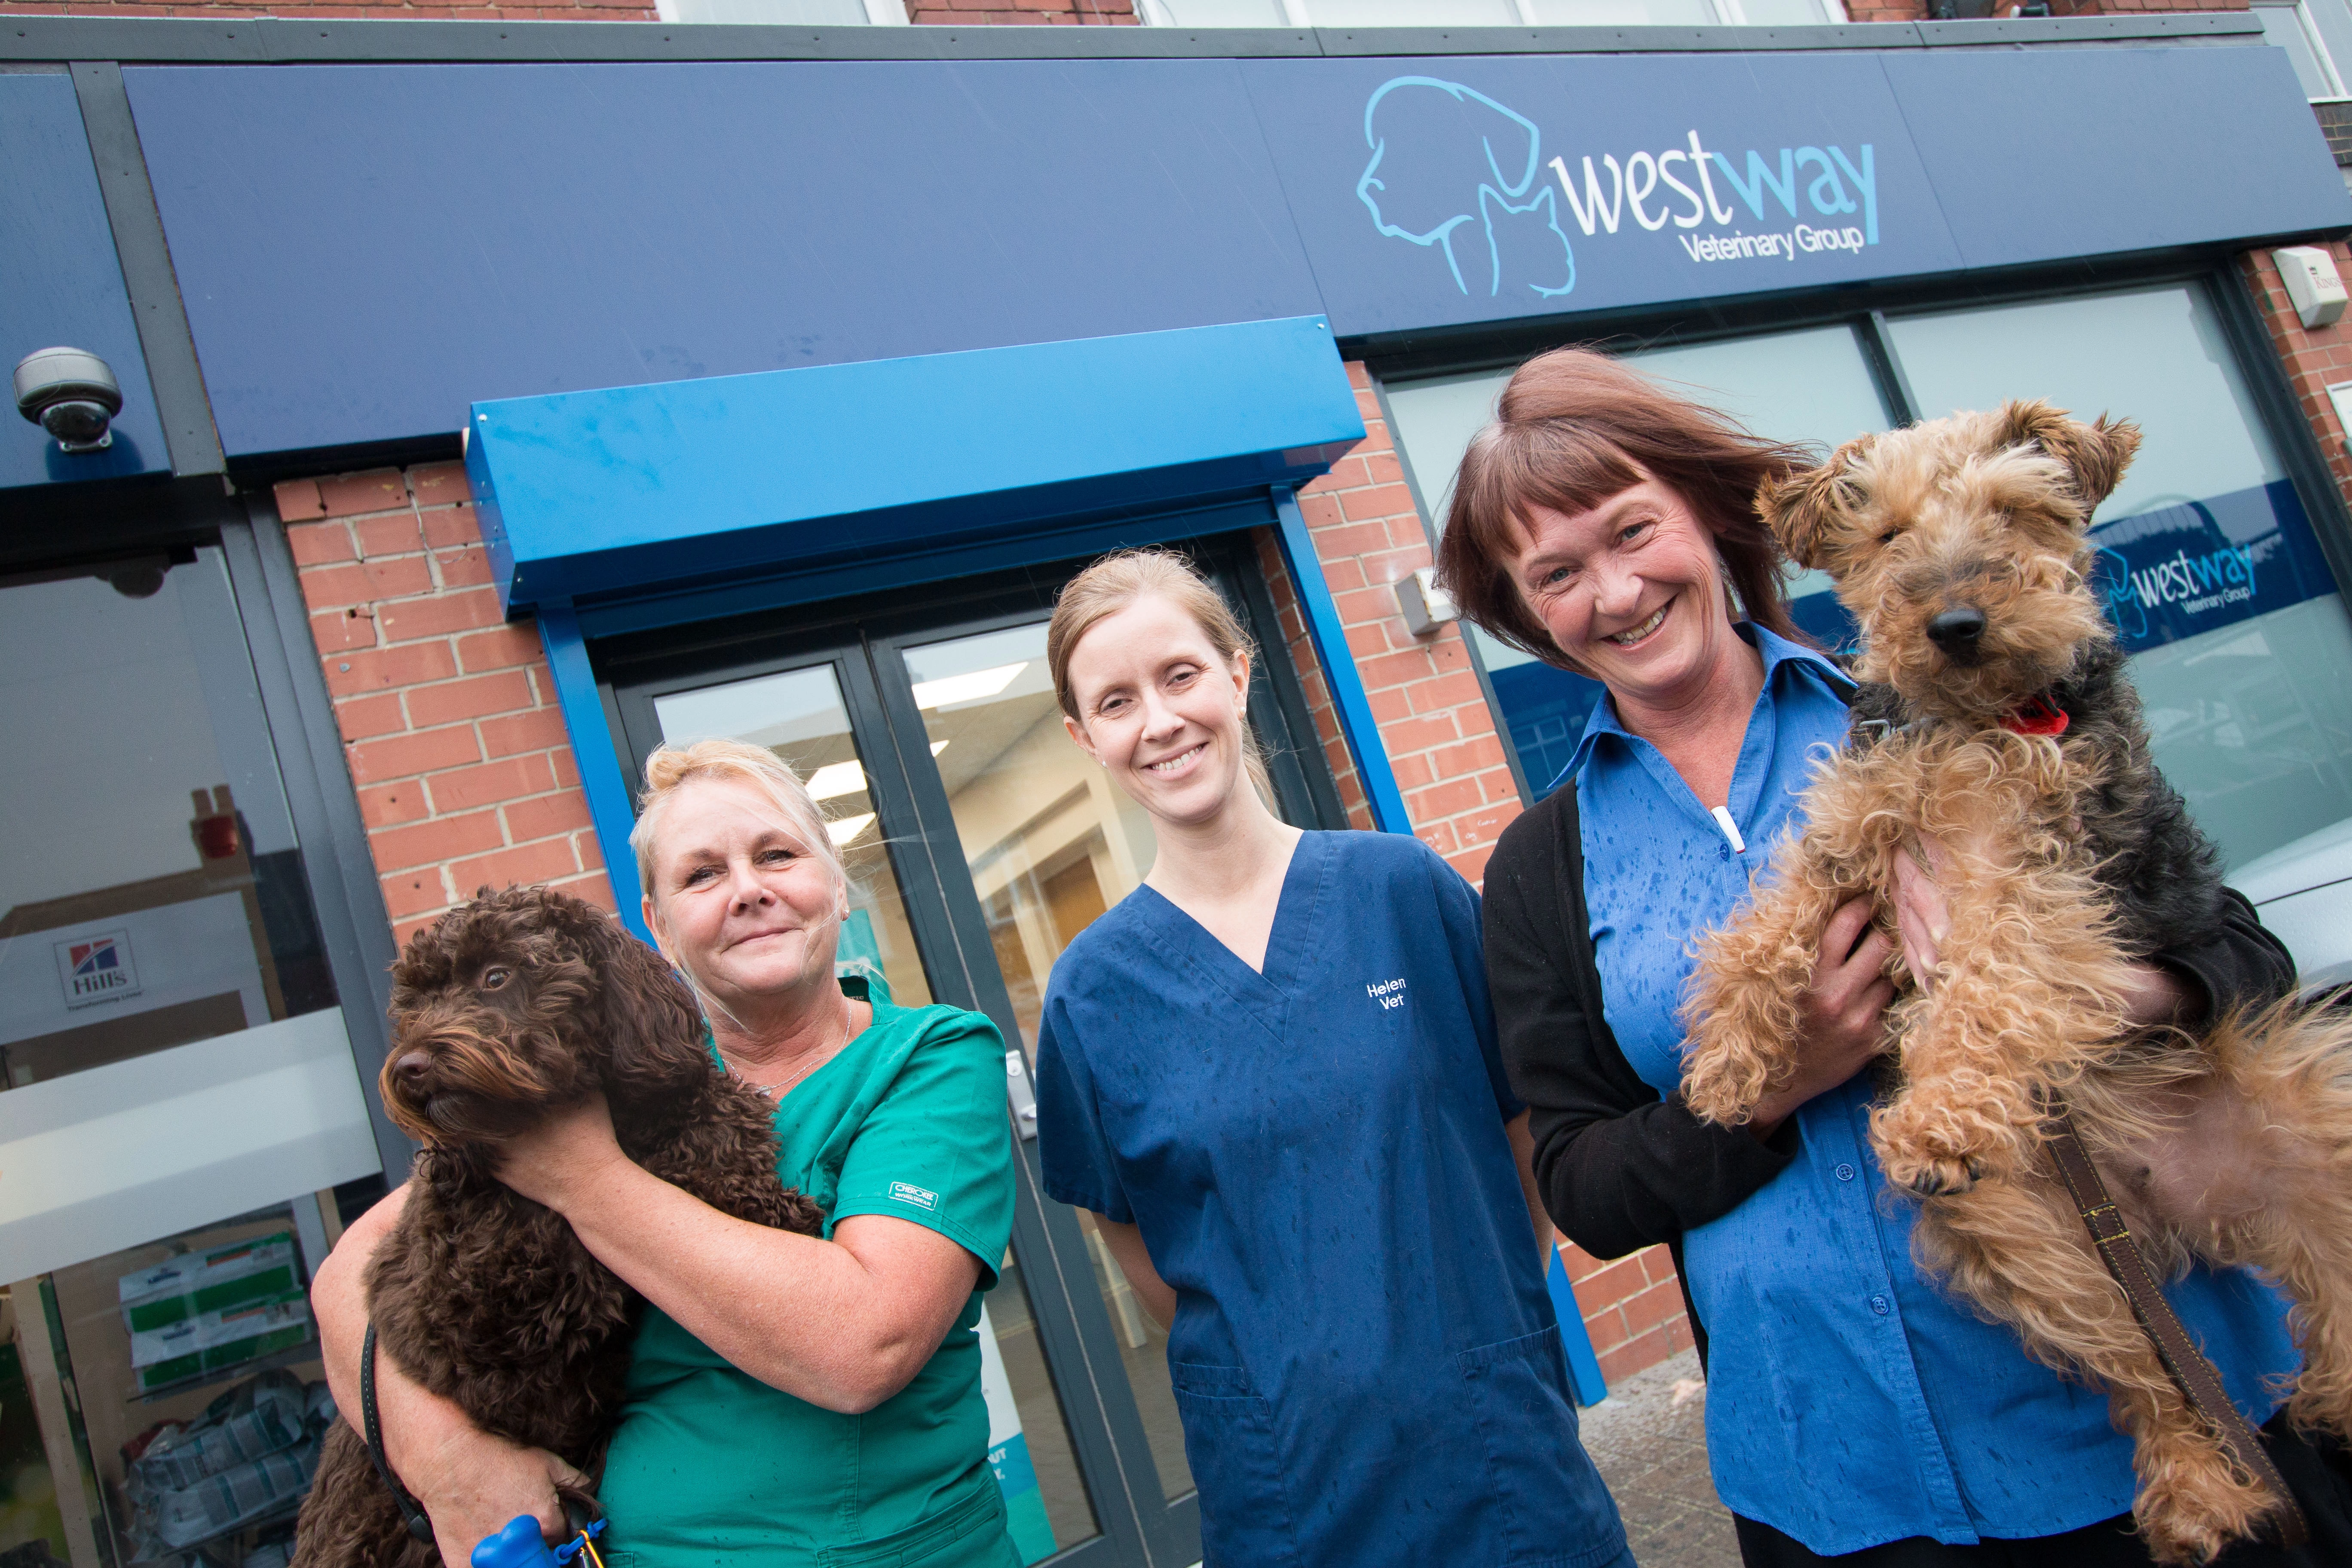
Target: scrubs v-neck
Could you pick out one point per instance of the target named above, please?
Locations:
(1364, 1355)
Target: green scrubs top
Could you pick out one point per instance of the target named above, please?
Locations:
(709, 1465)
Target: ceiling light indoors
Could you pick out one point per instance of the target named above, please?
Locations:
(843, 831)
(968, 687)
(836, 779)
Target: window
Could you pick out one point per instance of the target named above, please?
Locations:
(2295, 28)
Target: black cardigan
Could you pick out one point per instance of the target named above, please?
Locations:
(1619, 1168)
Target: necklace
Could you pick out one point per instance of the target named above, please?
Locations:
(816, 1059)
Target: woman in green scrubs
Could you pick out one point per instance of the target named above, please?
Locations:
(793, 1400)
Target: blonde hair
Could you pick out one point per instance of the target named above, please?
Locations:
(1117, 581)
(670, 768)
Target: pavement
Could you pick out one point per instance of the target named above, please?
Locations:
(1652, 1450)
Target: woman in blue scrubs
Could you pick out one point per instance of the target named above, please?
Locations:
(1271, 1073)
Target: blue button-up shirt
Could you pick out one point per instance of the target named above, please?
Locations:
(1850, 1401)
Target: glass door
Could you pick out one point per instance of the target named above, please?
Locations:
(978, 844)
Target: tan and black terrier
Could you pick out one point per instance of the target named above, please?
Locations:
(1996, 717)
(513, 1006)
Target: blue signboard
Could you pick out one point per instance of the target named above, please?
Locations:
(1497, 187)
(2200, 565)
(364, 251)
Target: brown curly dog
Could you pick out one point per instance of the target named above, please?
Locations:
(513, 1006)
(1996, 719)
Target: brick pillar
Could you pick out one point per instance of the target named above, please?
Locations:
(2312, 357)
(1432, 718)
(447, 713)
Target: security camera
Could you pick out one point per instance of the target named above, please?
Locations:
(71, 394)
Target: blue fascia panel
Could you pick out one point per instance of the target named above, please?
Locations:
(593, 492)
(61, 285)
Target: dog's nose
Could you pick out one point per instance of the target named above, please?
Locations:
(1957, 630)
(414, 1066)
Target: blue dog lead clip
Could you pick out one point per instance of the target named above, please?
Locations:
(519, 1545)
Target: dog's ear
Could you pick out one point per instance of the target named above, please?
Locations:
(1798, 508)
(652, 1030)
(2096, 454)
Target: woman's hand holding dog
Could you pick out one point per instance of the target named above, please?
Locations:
(569, 1152)
(1842, 1010)
(470, 1481)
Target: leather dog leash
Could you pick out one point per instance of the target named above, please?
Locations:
(411, 1511)
(2191, 1372)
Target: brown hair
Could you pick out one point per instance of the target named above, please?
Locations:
(1117, 581)
(1572, 428)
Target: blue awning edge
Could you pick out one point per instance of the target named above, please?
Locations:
(587, 495)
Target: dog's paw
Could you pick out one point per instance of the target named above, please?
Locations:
(1935, 1175)
(1717, 1094)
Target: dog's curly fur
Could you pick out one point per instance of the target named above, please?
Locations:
(2068, 857)
(510, 1006)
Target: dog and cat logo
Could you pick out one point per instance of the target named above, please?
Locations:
(1459, 172)
(97, 968)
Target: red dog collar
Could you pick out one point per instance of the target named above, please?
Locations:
(2036, 716)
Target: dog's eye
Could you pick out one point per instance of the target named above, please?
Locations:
(1890, 536)
(493, 978)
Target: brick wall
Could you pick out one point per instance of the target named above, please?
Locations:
(1021, 13)
(1432, 718)
(1300, 645)
(2312, 357)
(448, 714)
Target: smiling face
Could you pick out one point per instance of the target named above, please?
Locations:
(1160, 709)
(1631, 592)
(740, 901)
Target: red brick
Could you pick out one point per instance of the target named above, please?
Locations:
(544, 861)
(1638, 1354)
(451, 527)
(404, 756)
(1472, 865)
(567, 772)
(1412, 772)
(1347, 474)
(348, 495)
(492, 783)
(1483, 827)
(1421, 735)
(1657, 1262)
(315, 544)
(543, 816)
(439, 484)
(1343, 574)
(360, 717)
(1580, 1263)
(1319, 510)
(1389, 705)
(533, 732)
(501, 647)
(403, 931)
(1383, 467)
(463, 568)
(1456, 689)
(476, 697)
(379, 669)
(595, 888)
(1472, 756)
(298, 499)
(1609, 1285)
(583, 843)
(389, 806)
(414, 892)
(1438, 836)
(1397, 669)
(339, 631)
(326, 586)
(432, 842)
(1652, 1307)
(1365, 642)
(1410, 556)
(440, 614)
(1355, 537)
(1361, 605)
(397, 534)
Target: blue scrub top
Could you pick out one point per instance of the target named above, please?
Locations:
(1849, 1400)
(1364, 1355)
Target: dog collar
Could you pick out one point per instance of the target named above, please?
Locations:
(2037, 715)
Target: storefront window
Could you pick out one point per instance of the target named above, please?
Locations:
(1811, 385)
(176, 1087)
(2239, 634)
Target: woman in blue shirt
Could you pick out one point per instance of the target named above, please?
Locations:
(1271, 1073)
(1853, 1407)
